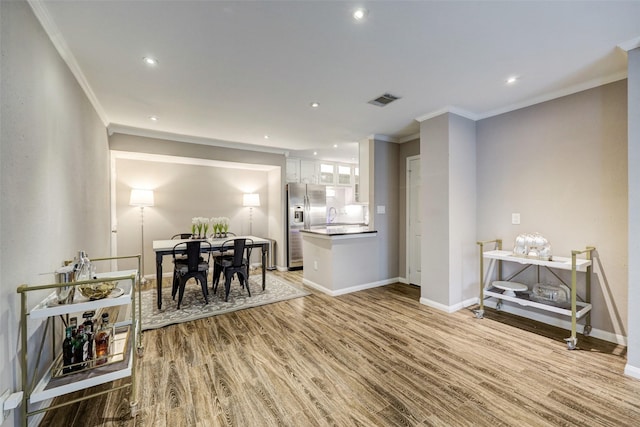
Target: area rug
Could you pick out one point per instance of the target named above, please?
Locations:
(193, 306)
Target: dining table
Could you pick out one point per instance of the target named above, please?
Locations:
(166, 247)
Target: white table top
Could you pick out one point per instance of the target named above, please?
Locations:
(167, 245)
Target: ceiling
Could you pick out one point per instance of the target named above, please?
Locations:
(231, 72)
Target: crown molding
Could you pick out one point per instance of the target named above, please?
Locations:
(51, 29)
(150, 133)
(409, 138)
(555, 95)
(448, 109)
(630, 44)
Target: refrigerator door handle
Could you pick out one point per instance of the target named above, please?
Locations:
(307, 208)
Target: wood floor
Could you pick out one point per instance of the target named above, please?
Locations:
(371, 358)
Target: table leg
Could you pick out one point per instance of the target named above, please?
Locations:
(264, 265)
(159, 278)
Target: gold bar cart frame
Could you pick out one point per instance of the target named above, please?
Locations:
(572, 341)
(136, 330)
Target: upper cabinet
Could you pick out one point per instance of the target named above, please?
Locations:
(321, 172)
(293, 170)
(327, 173)
(308, 172)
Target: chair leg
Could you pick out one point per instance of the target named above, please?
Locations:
(227, 286)
(244, 280)
(203, 285)
(217, 270)
(183, 284)
(175, 284)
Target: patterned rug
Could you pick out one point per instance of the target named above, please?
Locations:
(193, 306)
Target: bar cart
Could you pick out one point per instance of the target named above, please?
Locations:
(576, 310)
(57, 380)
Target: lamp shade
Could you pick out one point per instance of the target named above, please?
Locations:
(141, 197)
(251, 199)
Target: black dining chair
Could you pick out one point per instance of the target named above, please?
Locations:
(228, 264)
(195, 267)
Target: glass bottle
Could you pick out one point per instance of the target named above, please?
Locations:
(78, 349)
(88, 330)
(67, 351)
(103, 340)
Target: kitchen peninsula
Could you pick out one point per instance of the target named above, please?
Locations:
(340, 259)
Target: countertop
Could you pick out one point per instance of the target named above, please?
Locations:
(340, 230)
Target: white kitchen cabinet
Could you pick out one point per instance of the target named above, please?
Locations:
(293, 170)
(308, 171)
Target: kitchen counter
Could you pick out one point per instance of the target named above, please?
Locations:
(340, 259)
(340, 230)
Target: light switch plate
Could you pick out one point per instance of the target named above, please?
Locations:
(381, 209)
(515, 218)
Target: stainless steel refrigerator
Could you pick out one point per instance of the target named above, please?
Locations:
(306, 208)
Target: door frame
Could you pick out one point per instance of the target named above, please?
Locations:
(408, 215)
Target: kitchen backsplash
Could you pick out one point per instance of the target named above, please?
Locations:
(341, 206)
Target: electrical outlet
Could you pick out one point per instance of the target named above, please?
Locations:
(515, 218)
(315, 265)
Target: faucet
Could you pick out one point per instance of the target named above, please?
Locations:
(332, 214)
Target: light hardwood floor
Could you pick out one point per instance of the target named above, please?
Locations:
(372, 358)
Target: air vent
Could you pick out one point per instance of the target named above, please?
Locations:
(383, 100)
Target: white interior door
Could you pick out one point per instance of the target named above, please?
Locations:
(414, 212)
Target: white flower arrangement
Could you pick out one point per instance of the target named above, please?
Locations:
(220, 225)
(199, 225)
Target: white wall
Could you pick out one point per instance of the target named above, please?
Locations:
(562, 165)
(54, 179)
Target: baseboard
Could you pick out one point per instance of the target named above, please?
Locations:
(554, 321)
(632, 371)
(403, 280)
(350, 289)
(448, 308)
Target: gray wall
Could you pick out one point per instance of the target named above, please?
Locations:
(220, 192)
(633, 355)
(184, 191)
(434, 172)
(385, 193)
(54, 179)
(562, 165)
(407, 149)
(448, 169)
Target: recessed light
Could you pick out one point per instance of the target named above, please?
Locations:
(511, 80)
(153, 118)
(266, 137)
(335, 145)
(314, 105)
(315, 153)
(150, 61)
(360, 14)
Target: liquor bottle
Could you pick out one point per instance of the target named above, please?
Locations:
(73, 324)
(78, 349)
(103, 340)
(89, 332)
(67, 352)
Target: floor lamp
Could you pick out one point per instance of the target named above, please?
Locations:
(141, 198)
(251, 200)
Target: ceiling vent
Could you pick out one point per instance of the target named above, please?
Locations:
(383, 100)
